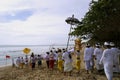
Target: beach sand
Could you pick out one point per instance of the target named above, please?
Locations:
(10, 73)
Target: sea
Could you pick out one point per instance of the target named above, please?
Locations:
(14, 51)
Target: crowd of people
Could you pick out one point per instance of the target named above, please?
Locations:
(29, 61)
(105, 60)
(60, 58)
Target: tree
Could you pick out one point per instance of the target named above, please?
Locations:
(102, 22)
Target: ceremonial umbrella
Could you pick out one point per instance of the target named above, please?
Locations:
(26, 50)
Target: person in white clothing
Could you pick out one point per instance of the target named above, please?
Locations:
(22, 62)
(55, 56)
(67, 62)
(97, 56)
(18, 62)
(26, 61)
(92, 63)
(116, 53)
(107, 60)
(88, 52)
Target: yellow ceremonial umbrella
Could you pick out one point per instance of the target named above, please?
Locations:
(26, 50)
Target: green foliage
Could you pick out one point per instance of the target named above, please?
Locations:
(102, 21)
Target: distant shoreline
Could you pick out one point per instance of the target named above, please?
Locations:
(33, 45)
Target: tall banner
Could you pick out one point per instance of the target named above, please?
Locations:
(78, 44)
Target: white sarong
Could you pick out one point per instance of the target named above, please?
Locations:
(108, 68)
(68, 67)
(87, 65)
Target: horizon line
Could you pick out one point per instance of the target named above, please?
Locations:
(37, 45)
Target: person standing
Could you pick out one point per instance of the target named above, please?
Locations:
(60, 61)
(78, 61)
(22, 62)
(88, 56)
(67, 62)
(32, 59)
(18, 62)
(116, 53)
(47, 59)
(39, 60)
(107, 60)
(26, 61)
(51, 60)
(92, 63)
(97, 56)
(55, 58)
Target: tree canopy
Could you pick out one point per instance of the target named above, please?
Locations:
(102, 22)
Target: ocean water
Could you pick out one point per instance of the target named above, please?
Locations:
(15, 51)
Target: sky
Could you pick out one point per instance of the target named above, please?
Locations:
(38, 22)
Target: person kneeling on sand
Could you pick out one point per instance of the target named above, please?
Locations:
(67, 62)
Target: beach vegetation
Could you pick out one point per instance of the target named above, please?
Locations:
(101, 23)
